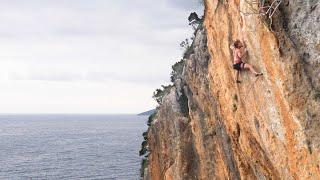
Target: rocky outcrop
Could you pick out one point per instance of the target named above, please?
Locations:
(209, 127)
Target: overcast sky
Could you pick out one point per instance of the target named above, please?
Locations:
(88, 56)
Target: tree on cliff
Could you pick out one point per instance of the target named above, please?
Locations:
(194, 20)
(160, 93)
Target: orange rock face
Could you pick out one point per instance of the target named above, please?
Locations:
(267, 127)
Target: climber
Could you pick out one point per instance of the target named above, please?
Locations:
(238, 64)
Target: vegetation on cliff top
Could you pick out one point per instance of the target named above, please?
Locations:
(177, 69)
(160, 93)
(144, 151)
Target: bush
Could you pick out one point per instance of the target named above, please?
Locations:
(197, 24)
(188, 51)
(183, 101)
(177, 69)
(144, 144)
(144, 164)
(143, 151)
(160, 93)
(195, 21)
(234, 108)
(235, 98)
(144, 148)
(145, 136)
(150, 119)
(187, 47)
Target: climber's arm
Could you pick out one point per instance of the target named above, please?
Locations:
(243, 54)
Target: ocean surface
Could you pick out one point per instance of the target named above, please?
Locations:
(70, 146)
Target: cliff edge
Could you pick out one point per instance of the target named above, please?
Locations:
(209, 127)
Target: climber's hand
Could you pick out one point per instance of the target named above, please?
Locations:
(244, 44)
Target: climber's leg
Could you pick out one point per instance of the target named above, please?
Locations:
(248, 66)
(237, 77)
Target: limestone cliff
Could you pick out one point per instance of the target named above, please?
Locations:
(209, 127)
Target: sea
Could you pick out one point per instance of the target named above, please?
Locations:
(58, 147)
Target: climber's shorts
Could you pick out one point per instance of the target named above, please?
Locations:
(239, 66)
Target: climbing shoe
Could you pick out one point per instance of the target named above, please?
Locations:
(259, 74)
(238, 81)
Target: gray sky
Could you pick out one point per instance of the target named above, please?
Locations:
(88, 56)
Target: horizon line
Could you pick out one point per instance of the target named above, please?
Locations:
(69, 113)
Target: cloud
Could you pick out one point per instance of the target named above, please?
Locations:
(98, 77)
(65, 42)
(186, 5)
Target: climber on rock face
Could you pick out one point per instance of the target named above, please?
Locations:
(238, 64)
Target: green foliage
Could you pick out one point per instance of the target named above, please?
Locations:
(143, 149)
(200, 26)
(183, 101)
(160, 93)
(144, 144)
(150, 119)
(177, 69)
(188, 51)
(144, 164)
(234, 108)
(145, 136)
(185, 43)
(144, 152)
(235, 97)
(194, 20)
(187, 46)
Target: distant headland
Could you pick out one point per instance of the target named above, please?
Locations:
(147, 113)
